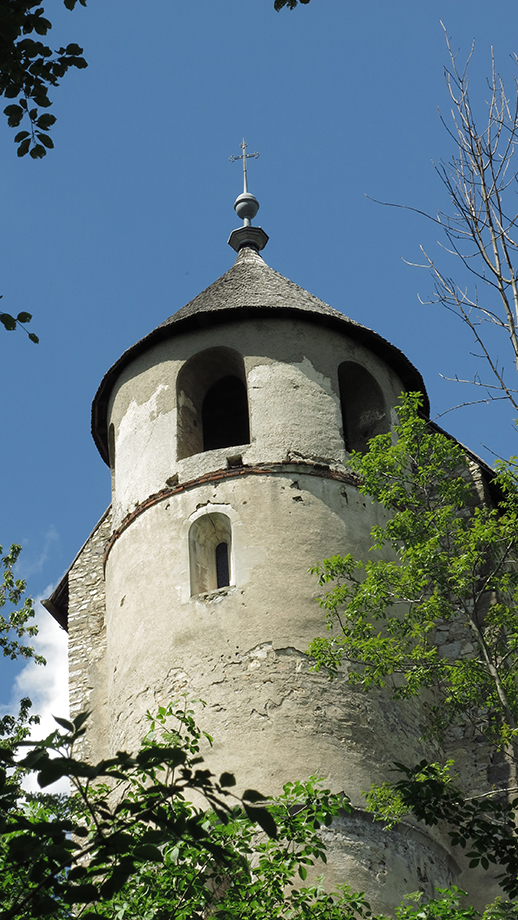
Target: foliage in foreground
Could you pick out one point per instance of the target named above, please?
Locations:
(484, 826)
(29, 68)
(15, 624)
(443, 614)
(128, 841)
(291, 4)
(136, 847)
(11, 322)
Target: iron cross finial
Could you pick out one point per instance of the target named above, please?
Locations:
(244, 157)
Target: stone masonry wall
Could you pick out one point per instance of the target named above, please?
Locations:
(87, 639)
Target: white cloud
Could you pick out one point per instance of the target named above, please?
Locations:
(46, 686)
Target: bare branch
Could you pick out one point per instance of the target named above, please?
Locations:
(481, 180)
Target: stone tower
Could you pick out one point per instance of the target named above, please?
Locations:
(227, 430)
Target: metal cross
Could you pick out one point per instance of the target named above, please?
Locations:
(244, 156)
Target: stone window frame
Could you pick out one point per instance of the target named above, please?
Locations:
(208, 531)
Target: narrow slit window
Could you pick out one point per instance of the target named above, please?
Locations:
(222, 567)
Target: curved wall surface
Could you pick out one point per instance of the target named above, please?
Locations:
(278, 503)
(291, 371)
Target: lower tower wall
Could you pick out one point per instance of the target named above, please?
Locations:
(242, 649)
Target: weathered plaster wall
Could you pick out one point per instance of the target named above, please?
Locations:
(242, 648)
(87, 641)
(292, 376)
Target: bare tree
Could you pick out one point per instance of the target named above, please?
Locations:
(482, 229)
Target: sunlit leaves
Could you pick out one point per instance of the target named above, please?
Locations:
(439, 609)
(16, 612)
(483, 826)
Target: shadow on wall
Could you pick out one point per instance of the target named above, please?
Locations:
(212, 402)
(363, 407)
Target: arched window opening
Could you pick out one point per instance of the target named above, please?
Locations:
(210, 544)
(212, 402)
(224, 414)
(364, 414)
(222, 566)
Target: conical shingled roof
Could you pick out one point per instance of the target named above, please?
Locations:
(246, 290)
(252, 283)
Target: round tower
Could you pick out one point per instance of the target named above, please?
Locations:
(227, 430)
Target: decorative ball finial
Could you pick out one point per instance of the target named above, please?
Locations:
(246, 207)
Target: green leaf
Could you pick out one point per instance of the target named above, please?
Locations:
(45, 140)
(38, 152)
(24, 317)
(45, 121)
(34, 338)
(21, 136)
(64, 723)
(8, 321)
(24, 147)
(80, 719)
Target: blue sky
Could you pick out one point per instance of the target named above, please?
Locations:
(128, 218)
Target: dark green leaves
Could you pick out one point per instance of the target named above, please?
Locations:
(291, 4)
(29, 69)
(8, 321)
(14, 115)
(137, 845)
(486, 824)
(11, 322)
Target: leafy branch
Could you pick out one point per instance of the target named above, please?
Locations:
(449, 574)
(11, 322)
(29, 68)
(15, 622)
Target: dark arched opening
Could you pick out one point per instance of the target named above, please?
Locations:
(222, 565)
(210, 553)
(364, 413)
(212, 402)
(224, 414)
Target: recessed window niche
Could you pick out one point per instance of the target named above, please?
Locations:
(212, 402)
(210, 553)
(364, 414)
